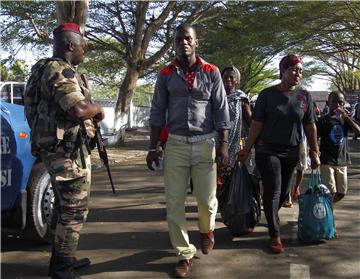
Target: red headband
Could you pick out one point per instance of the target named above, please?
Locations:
(69, 26)
(289, 60)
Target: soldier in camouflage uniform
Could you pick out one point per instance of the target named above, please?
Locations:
(59, 116)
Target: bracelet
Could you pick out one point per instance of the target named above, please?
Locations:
(224, 141)
(152, 150)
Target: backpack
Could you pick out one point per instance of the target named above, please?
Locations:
(32, 91)
(37, 109)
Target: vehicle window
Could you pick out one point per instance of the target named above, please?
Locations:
(18, 94)
(5, 93)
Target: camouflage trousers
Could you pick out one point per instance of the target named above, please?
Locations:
(71, 180)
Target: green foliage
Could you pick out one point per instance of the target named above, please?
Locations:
(143, 95)
(250, 34)
(137, 34)
(104, 92)
(346, 81)
(27, 24)
(4, 74)
(103, 69)
(332, 38)
(247, 34)
(17, 71)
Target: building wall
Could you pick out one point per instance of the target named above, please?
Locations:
(114, 129)
(320, 98)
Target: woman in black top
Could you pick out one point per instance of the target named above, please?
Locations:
(275, 130)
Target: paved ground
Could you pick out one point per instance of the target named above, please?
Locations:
(126, 233)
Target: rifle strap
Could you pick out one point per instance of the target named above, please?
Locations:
(78, 147)
(84, 137)
(82, 157)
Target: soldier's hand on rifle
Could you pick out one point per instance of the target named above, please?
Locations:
(100, 115)
(90, 128)
(82, 110)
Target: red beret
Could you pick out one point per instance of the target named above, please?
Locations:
(69, 26)
(289, 60)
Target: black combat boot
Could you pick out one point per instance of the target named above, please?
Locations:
(77, 263)
(80, 263)
(63, 268)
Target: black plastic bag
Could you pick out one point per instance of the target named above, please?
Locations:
(239, 201)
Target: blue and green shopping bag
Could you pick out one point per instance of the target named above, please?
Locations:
(316, 218)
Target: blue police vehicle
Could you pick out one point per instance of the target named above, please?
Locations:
(27, 196)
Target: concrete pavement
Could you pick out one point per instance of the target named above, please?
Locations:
(126, 234)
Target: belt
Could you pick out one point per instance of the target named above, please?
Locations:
(193, 139)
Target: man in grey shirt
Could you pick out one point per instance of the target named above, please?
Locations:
(190, 100)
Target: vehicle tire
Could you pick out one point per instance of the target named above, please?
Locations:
(40, 205)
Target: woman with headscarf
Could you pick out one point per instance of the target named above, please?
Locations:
(239, 109)
(279, 113)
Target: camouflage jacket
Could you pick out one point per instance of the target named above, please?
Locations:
(53, 88)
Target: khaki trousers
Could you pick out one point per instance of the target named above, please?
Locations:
(335, 178)
(182, 161)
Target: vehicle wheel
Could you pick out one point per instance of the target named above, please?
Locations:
(40, 204)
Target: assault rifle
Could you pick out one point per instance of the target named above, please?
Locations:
(100, 141)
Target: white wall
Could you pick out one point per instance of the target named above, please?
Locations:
(114, 130)
(139, 116)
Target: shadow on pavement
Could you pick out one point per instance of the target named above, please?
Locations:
(140, 262)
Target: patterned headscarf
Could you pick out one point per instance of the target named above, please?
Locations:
(288, 61)
(236, 71)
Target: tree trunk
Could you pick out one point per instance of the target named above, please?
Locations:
(127, 89)
(72, 11)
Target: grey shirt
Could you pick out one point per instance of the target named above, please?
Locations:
(198, 112)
